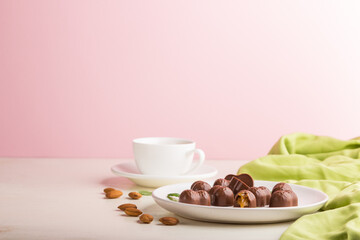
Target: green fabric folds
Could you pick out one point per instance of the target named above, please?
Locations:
(324, 163)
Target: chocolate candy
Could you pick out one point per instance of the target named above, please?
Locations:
(245, 198)
(281, 186)
(222, 182)
(212, 190)
(236, 185)
(229, 177)
(295, 199)
(189, 196)
(222, 196)
(200, 185)
(260, 194)
(268, 194)
(205, 198)
(283, 198)
(246, 178)
(200, 197)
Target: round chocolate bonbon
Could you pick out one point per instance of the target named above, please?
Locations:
(212, 190)
(221, 182)
(281, 186)
(205, 198)
(260, 195)
(222, 196)
(245, 199)
(200, 185)
(268, 194)
(295, 198)
(189, 196)
(283, 198)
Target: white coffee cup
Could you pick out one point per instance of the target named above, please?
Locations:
(166, 156)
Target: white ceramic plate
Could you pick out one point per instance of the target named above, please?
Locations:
(129, 170)
(310, 201)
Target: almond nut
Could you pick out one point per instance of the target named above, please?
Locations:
(135, 195)
(109, 189)
(134, 212)
(169, 220)
(126, 205)
(114, 194)
(146, 218)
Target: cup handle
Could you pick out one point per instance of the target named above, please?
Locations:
(200, 161)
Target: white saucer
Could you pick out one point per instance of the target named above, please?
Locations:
(129, 170)
(310, 201)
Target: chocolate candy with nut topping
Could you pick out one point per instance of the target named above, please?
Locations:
(222, 196)
(222, 182)
(260, 195)
(205, 198)
(245, 199)
(200, 185)
(236, 185)
(268, 194)
(189, 196)
(283, 198)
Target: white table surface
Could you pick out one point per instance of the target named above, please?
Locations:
(63, 199)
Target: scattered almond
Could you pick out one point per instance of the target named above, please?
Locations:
(146, 218)
(135, 195)
(134, 212)
(169, 220)
(109, 189)
(126, 205)
(114, 194)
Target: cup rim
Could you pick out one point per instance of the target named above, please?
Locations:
(147, 141)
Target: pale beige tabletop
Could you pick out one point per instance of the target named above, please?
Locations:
(63, 199)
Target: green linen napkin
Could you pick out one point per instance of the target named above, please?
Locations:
(324, 163)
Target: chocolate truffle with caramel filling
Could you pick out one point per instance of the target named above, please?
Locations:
(245, 199)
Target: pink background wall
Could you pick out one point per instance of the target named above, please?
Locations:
(83, 78)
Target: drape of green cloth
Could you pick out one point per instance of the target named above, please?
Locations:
(324, 163)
